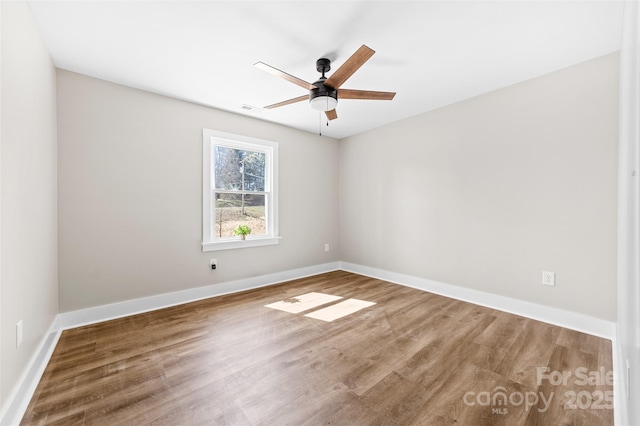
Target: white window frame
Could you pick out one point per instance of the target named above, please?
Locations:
(211, 138)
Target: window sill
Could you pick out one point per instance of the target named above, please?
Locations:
(235, 244)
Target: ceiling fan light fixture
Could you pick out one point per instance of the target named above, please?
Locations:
(323, 97)
(323, 103)
(323, 94)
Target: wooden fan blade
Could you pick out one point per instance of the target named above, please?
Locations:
(331, 115)
(365, 94)
(287, 102)
(347, 69)
(284, 75)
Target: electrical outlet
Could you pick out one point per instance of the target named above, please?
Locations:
(18, 333)
(549, 278)
(326, 247)
(213, 264)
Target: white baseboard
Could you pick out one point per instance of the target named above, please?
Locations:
(21, 395)
(130, 307)
(572, 320)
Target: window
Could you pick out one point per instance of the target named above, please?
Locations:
(239, 188)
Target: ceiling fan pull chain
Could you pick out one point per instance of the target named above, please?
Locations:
(327, 104)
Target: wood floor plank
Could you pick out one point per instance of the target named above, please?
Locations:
(531, 349)
(410, 359)
(452, 404)
(575, 403)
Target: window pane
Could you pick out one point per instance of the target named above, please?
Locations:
(237, 169)
(253, 171)
(233, 210)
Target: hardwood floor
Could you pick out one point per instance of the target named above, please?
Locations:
(414, 358)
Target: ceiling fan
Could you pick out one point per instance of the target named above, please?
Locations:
(324, 93)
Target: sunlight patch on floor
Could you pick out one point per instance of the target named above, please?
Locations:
(297, 304)
(339, 310)
(305, 302)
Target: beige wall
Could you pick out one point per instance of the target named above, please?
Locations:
(130, 195)
(29, 274)
(489, 192)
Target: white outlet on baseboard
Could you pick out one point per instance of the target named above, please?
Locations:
(326, 247)
(549, 278)
(18, 333)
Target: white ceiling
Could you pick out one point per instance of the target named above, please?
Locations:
(432, 53)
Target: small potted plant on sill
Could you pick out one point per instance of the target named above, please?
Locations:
(243, 231)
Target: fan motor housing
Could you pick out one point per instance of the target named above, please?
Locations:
(322, 90)
(323, 98)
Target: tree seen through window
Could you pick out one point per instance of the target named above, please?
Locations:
(239, 190)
